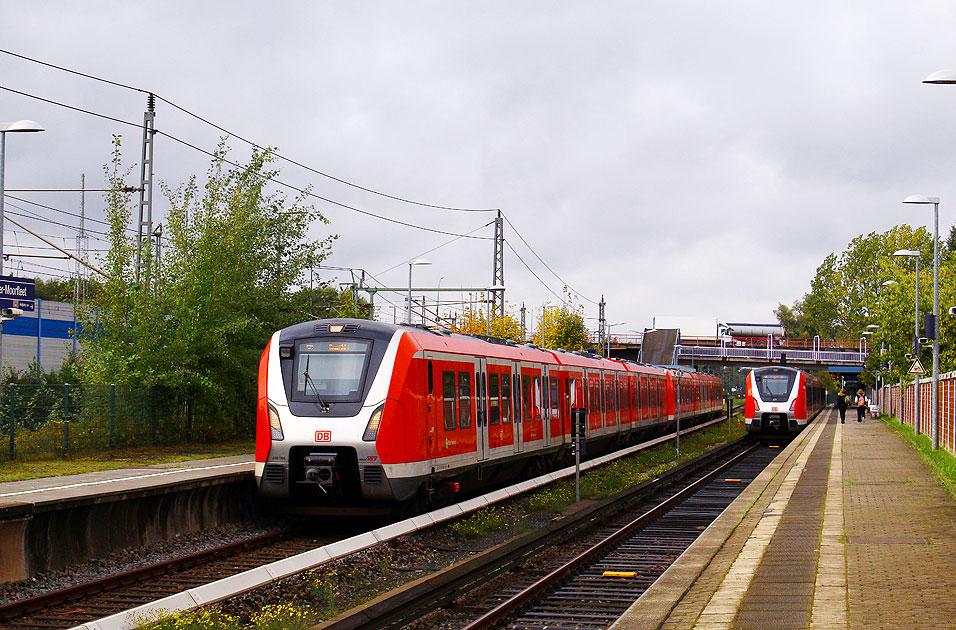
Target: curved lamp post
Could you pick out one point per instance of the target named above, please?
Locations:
(412, 263)
(915, 255)
(18, 126)
(920, 199)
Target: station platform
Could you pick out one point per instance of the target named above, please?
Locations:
(847, 528)
(49, 522)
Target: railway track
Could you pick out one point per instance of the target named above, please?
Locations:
(81, 603)
(583, 571)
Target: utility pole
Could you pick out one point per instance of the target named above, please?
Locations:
(601, 324)
(145, 233)
(498, 278)
(524, 329)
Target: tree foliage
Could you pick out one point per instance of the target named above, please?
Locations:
(865, 286)
(562, 327)
(198, 318)
(475, 322)
(844, 292)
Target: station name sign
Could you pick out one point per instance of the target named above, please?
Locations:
(17, 293)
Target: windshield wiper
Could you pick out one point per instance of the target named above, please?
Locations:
(308, 379)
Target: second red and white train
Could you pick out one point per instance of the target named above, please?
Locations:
(781, 400)
(356, 413)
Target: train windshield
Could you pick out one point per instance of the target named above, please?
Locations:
(330, 370)
(774, 386)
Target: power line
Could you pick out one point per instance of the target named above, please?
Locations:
(578, 293)
(532, 271)
(297, 189)
(249, 142)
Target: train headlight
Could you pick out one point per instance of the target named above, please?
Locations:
(756, 405)
(371, 431)
(275, 425)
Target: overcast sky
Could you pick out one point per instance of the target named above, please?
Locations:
(679, 158)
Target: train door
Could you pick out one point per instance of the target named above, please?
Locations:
(481, 406)
(517, 415)
(531, 404)
(546, 406)
(433, 404)
(499, 407)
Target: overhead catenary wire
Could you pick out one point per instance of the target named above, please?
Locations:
(247, 141)
(303, 191)
(277, 155)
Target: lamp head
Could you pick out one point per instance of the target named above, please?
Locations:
(21, 125)
(941, 77)
(921, 199)
(906, 252)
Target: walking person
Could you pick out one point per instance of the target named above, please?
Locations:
(841, 404)
(861, 405)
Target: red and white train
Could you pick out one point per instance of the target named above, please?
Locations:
(356, 413)
(781, 400)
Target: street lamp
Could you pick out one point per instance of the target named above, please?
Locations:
(915, 254)
(411, 263)
(20, 125)
(920, 199)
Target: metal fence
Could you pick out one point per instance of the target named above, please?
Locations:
(59, 420)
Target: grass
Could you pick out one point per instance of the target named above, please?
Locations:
(941, 462)
(616, 476)
(23, 469)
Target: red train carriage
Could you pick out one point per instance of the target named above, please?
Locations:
(355, 413)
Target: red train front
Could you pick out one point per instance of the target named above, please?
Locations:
(362, 414)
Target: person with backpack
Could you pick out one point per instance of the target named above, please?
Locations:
(862, 405)
(841, 404)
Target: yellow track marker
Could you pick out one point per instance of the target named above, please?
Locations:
(737, 480)
(619, 574)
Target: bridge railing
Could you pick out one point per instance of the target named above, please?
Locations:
(772, 354)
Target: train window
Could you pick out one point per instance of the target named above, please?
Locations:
(554, 396)
(431, 380)
(526, 396)
(622, 400)
(328, 370)
(608, 396)
(536, 409)
(494, 414)
(464, 399)
(505, 399)
(448, 399)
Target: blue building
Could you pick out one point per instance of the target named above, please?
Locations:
(45, 334)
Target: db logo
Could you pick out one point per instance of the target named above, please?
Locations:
(323, 436)
(771, 409)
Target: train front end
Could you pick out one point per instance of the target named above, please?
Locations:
(776, 401)
(322, 393)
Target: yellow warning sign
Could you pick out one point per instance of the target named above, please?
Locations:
(917, 368)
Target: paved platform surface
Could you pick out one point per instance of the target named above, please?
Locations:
(122, 480)
(846, 529)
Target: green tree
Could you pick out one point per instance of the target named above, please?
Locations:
(564, 327)
(197, 321)
(845, 290)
